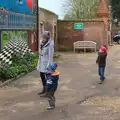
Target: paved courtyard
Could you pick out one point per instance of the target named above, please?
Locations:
(79, 96)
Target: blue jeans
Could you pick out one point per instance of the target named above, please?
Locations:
(101, 71)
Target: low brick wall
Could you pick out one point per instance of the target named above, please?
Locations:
(67, 35)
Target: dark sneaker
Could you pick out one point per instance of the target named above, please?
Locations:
(43, 91)
(51, 108)
(44, 95)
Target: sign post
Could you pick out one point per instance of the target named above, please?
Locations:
(79, 26)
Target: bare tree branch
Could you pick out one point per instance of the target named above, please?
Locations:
(79, 9)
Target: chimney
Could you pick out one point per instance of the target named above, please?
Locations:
(103, 10)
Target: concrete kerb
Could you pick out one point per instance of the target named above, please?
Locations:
(14, 79)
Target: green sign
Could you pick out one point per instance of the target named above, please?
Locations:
(78, 26)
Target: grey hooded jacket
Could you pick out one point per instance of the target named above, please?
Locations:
(45, 56)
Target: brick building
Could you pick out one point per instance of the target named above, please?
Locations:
(48, 21)
(97, 29)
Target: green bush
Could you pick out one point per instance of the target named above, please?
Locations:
(20, 64)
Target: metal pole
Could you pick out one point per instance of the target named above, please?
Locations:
(111, 24)
(37, 17)
(0, 40)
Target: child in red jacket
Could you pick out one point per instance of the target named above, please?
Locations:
(101, 61)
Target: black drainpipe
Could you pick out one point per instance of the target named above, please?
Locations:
(37, 17)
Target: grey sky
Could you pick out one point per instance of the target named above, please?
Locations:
(53, 5)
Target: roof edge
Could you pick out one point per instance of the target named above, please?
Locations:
(48, 11)
(83, 20)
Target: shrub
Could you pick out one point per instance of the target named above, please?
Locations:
(20, 64)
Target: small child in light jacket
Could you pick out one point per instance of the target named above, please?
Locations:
(52, 77)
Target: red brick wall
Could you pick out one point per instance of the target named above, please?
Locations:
(67, 35)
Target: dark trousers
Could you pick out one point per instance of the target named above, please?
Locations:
(51, 99)
(101, 71)
(43, 78)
